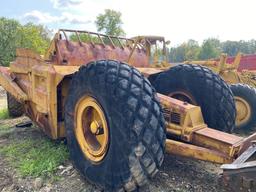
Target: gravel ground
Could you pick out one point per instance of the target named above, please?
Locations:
(177, 174)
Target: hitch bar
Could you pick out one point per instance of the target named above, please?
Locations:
(189, 136)
(241, 174)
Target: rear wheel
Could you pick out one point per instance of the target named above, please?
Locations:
(15, 108)
(245, 98)
(200, 86)
(114, 126)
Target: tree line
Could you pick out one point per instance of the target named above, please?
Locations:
(210, 48)
(14, 35)
(37, 37)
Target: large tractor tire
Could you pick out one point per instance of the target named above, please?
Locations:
(15, 108)
(114, 126)
(198, 85)
(245, 98)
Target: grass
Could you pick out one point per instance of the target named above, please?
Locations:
(40, 157)
(4, 130)
(4, 114)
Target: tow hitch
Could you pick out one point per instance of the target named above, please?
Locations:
(241, 174)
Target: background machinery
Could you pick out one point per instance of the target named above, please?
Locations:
(116, 125)
(242, 84)
(247, 62)
(236, 71)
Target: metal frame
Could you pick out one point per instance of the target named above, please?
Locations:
(42, 84)
(244, 167)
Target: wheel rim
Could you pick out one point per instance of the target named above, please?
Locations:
(91, 129)
(243, 110)
(183, 96)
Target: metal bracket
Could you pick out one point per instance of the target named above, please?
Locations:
(241, 174)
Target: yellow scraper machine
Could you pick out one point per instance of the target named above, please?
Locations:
(119, 113)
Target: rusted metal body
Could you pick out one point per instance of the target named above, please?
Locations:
(70, 53)
(42, 85)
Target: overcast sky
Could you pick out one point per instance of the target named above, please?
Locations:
(177, 20)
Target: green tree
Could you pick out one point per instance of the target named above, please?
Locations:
(211, 48)
(186, 51)
(14, 35)
(35, 37)
(177, 54)
(8, 39)
(110, 23)
(84, 38)
(192, 50)
(233, 47)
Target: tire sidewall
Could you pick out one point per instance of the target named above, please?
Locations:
(249, 95)
(110, 83)
(209, 91)
(81, 161)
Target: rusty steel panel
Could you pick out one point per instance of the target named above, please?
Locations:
(74, 53)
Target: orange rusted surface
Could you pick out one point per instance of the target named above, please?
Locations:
(66, 52)
(74, 53)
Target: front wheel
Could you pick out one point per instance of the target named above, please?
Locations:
(245, 98)
(114, 126)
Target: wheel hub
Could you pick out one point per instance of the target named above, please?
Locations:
(243, 111)
(96, 129)
(91, 129)
(183, 95)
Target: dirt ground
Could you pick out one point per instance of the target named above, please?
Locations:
(177, 174)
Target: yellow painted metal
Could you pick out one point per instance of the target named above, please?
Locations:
(40, 82)
(229, 72)
(196, 152)
(217, 140)
(243, 110)
(248, 77)
(8, 83)
(44, 86)
(201, 142)
(190, 117)
(91, 129)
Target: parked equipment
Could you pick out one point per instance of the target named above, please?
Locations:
(243, 86)
(117, 126)
(247, 62)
